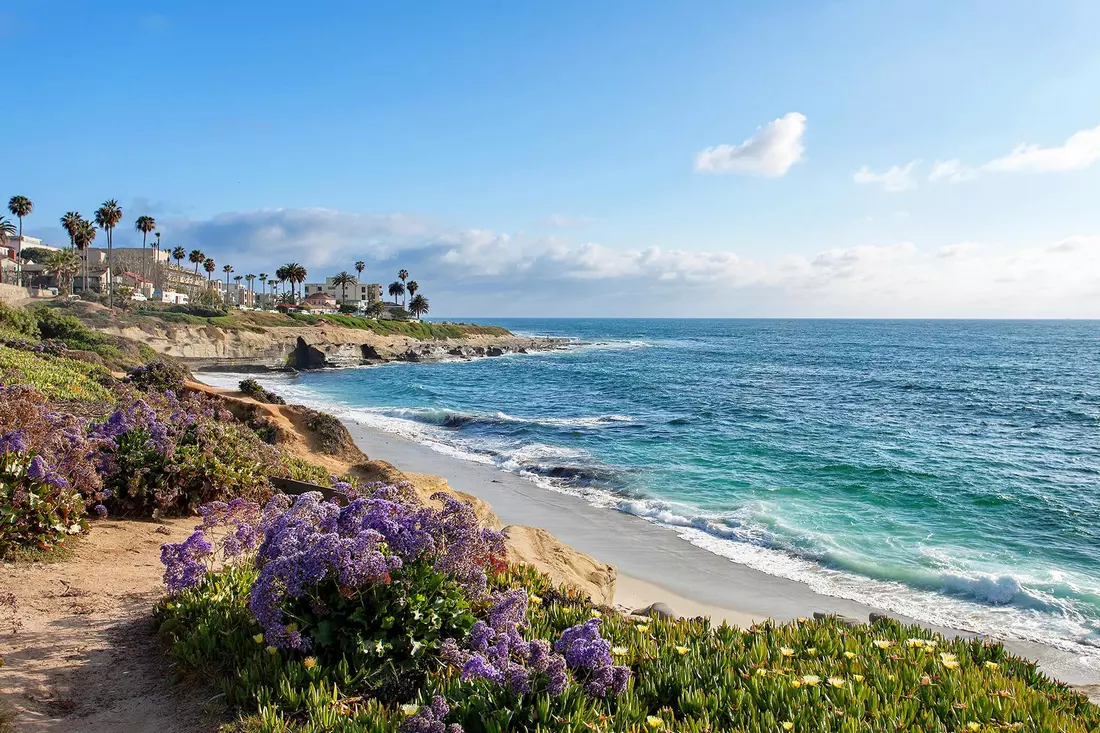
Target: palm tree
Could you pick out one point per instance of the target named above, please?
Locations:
(63, 263)
(418, 306)
(396, 289)
(376, 309)
(227, 269)
(144, 224)
(178, 254)
(412, 287)
(20, 206)
(343, 279)
(107, 217)
(295, 274)
(83, 236)
(263, 287)
(7, 229)
(197, 258)
(251, 293)
(71, 223)
(403, 275)
(156, 260)
(237, 279)
(209, 266)
(359, 267)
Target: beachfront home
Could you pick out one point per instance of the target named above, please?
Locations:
(319, 302)
(355, 293)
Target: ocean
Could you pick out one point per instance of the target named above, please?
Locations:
(945, 470)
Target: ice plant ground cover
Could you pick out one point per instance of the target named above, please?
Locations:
(386, 616)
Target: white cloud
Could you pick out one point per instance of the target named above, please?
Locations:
(478, 271)
(770, 152)
(895, 179)
(951, 170)
(1081, 150)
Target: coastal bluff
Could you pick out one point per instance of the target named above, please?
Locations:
(312, 346)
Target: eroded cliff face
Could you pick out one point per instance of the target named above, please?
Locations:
(313, 347)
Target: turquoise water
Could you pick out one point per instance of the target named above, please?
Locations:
(946, 470)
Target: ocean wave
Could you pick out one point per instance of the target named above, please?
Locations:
(448, 418)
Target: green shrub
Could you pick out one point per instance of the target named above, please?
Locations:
(36, 510)
(159, 376)
(18, 321)
(332, 436)
(256, 391)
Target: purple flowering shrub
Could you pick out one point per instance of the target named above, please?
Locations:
(47, 472)
(172, 454)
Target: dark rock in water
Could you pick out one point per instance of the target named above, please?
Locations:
(821, 616)
(370, 353)
(660, 610)
(874, 618)
(494, 351)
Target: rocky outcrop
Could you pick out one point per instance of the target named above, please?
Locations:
(565, 565)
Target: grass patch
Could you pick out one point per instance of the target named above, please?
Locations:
(56, 377)
(415, 329)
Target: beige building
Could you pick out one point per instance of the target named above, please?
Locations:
(357, 293)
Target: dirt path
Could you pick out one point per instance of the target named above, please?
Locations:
(80, 649)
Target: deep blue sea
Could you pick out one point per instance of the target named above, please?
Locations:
(948, 470)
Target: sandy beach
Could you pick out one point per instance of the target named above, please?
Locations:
(656, 565)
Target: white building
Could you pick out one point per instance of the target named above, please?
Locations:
(357, 294)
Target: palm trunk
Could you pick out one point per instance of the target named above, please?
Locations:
(143, 236)
(110, 271)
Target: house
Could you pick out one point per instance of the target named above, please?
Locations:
(355, 293)
(319, 302)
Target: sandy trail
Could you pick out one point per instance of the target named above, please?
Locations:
(80, 648)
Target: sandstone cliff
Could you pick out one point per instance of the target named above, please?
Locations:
(311, 347)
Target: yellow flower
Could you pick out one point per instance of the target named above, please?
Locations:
(949, 660)
(891, 677)
(796, 684)
(619, 651)
(812, 650)
(258, 638)
(991, 665)
(642, 628)
(291, 628)
(803, 620)
(787, 651)
(682, 650)
(883, 643)
(915, 642)
(850, 655)
(810, 680)
(309, 662)
(761, 671)
(409, 709)
(836, 682)
(974, 726)
(653, 721)
(788, 725)
(272, 651)
(535, 600)
(596, 614)
(857, 677)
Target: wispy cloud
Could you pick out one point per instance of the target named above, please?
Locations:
(951, 170)
(1081, 150)
(770, 152)
(894, 180)
(558, 221)
(470, 271)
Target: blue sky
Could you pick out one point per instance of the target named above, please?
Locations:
(577, 158)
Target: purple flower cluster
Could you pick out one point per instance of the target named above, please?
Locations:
(185, 562)
(429, 719)
(243, 517)
(138, 415)
(585, 651)
(497, 652)
(310, 542)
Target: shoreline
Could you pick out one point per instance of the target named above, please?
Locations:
(654, 564)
